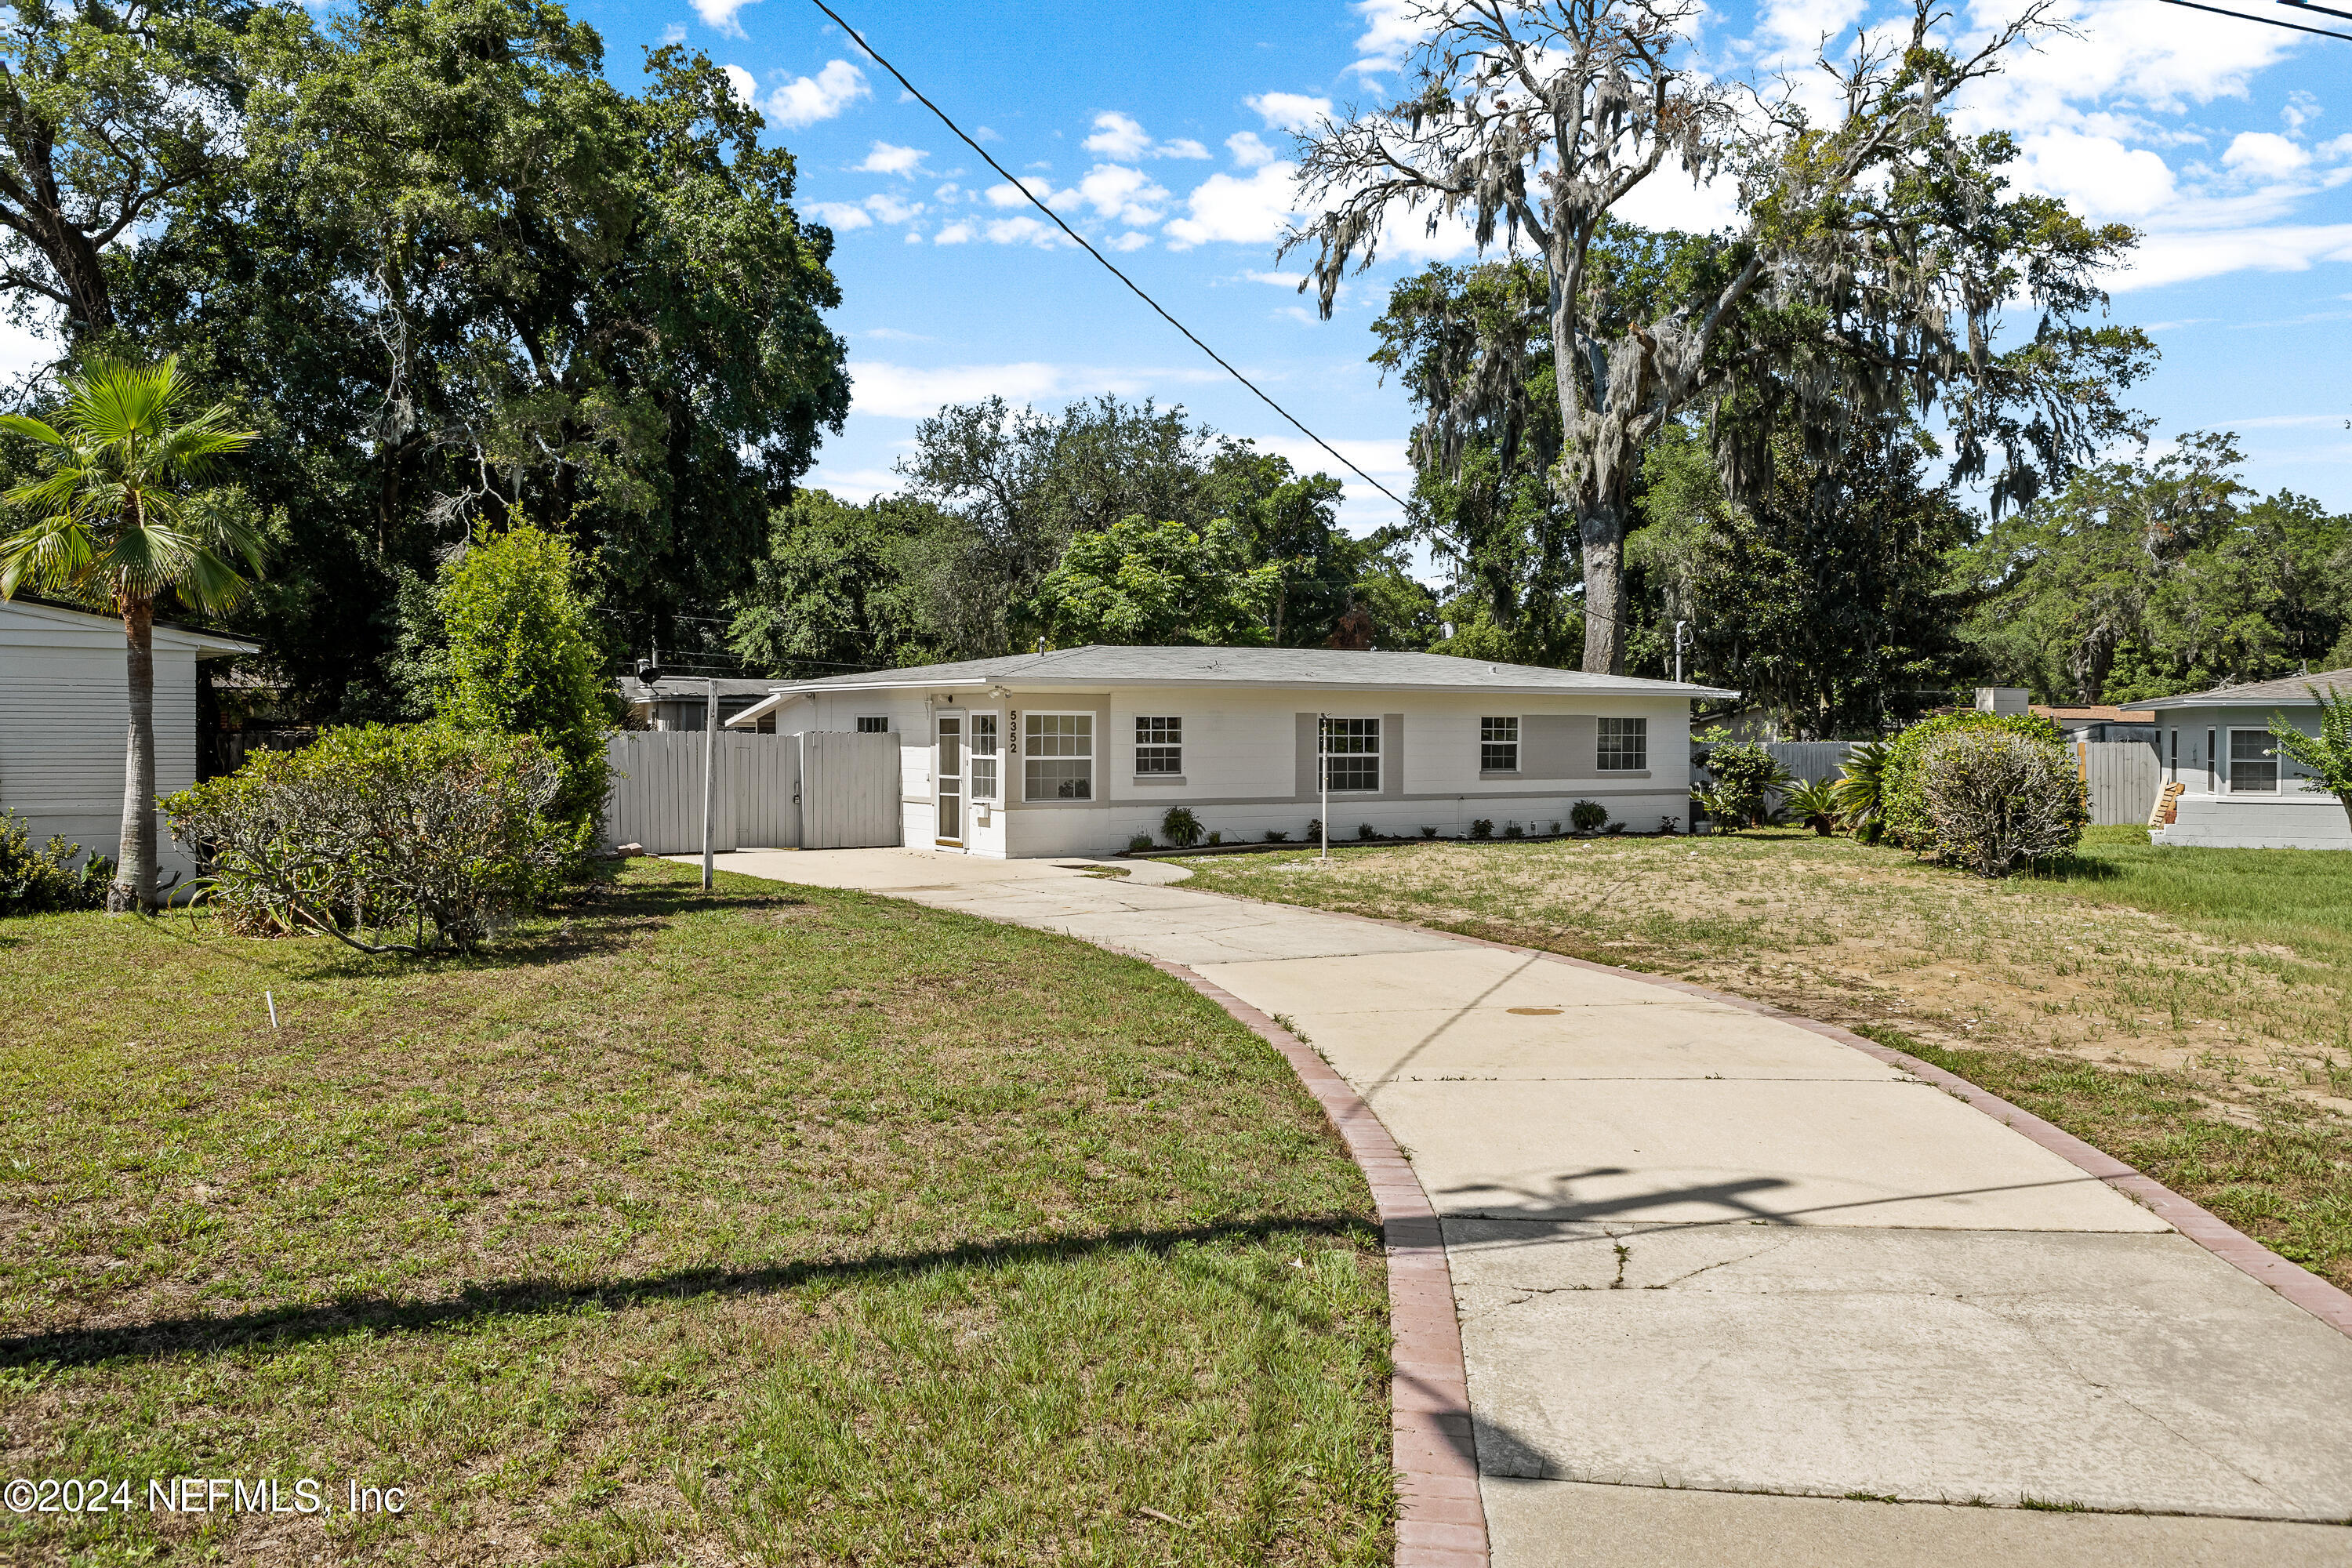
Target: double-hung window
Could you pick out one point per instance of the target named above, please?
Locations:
(1159, 746)
(1057, 756)
(1624, 745)
(982, 747)
(873, 724)
(1499, 746)
(1353, 753)
(2253, 763)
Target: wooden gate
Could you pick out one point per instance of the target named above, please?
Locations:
(2122, 777)
(816, 790)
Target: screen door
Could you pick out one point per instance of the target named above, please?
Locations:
(951, 829)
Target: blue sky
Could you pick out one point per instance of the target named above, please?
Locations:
(1162, 132)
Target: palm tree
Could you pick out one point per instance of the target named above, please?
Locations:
(114, 523)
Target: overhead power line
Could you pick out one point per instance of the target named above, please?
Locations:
(1080, 239)
(2272, 21)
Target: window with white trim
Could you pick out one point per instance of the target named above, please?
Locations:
(1058, 761)
(1353, 753)
(1624, 745)
(2253, 763)
(981, 749)
(873, 724)
(1499, 746)
(1159, 746)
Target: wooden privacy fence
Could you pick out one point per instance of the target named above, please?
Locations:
(817, 791)
(2122, 777)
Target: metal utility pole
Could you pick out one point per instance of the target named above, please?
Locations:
(1323, 775)
(1680, 627)
(709, 768)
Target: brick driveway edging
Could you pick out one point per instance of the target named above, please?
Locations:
(1441, 1521)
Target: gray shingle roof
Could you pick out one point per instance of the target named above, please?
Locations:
(2290, 690)
(1098, 665)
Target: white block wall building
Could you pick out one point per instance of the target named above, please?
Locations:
(1078, 751)
(65, 718)
(2237, 789)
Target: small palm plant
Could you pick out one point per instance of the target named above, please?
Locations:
(1858, 793)
(2328, 754)
(1813, 803)
(113, 521)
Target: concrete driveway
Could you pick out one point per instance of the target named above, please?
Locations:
(1720, 1278)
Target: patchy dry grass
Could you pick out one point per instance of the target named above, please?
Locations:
(774, 1226)
(2211, 987)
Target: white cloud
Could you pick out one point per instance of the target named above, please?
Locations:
(890, 209)
(905, 392)
(2266, 155)
(1180, 147)
(956, 233)
(1025, 230)
(888, 159)
(720, 15)
(1244, 211)
(1120, 193)
(745, 87)
(1290, 110)
(838, 215)
(2098, 174)
(2182, 256)
(1010, 196)
(1119, 136)
(1669, 199)
(1391, 31)
(673, 33)
(808, 99)
(1130, 240)
(1248, 150)
(1280, 279)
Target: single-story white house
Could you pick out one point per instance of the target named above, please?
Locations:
(66, 719)
(1078, 750)
(2238, 791)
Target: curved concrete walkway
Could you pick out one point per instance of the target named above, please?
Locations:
(1720, 1278)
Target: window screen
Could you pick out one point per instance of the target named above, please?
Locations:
(1352, 750)
(1158, 745)
(1499, 746)
(2253, 763)
(1624, 745)
(873, 724)
(1058, 762)
(983, 756)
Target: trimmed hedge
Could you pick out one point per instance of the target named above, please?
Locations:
(1903, 792)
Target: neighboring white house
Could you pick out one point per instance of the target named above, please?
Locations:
(2237, 790)
(65, 719)
(1078, 750)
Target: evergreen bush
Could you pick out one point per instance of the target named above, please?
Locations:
(1902, 788)
(1587, 817)
(41, 880)
(1179, 828)
(2000, 800)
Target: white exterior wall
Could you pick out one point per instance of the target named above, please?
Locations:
(65, 719)
(2298, 814)
(1241, 767)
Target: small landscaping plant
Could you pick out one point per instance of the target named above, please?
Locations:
(1482, 828)
(1181, 828)
(1555, 828)
(1857, 793)
(1814, 802)
(1366, 832)
(2000, 801)
(1427, 831)
(1314, 828)
(1140, 844)
(1747, 777)
(1216, 838)
(1513, 830)
(1277, 836)
(408, 840)
(41, 880)
(1587, 817)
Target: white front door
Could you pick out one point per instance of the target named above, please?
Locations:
(950, 776)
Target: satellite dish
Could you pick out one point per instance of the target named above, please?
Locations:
(648, 672)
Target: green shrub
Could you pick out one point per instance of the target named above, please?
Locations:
(1137, 844)
(1747, 777)
(1366, 832)
(410, 839)
(1179, 828)
(1555, 828)
(1858, 793)
(522, 659)
(1902, 791)
(1513, 830)
(1587, 817)
(1216, 838)
(1276, 836)
(42, 880)
(2000, 800)
(1482, 828)
(1815, 804)
(1428, 831)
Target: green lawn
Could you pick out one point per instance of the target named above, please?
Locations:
(2187, 1010)
(772, 1224)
